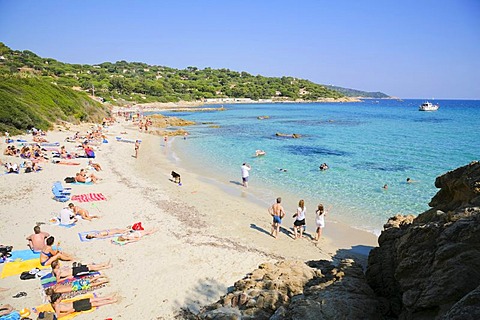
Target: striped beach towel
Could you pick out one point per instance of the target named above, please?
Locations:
(89, 197)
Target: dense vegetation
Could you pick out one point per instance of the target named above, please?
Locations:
(27, 102)
(140, 82)
(357, 93)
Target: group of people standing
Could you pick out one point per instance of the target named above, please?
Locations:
(278, 213)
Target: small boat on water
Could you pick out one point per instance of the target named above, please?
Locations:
(428, 106)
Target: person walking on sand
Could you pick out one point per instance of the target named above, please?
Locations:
(277, 212)
(245, 174)
(300, 219)
(320, 220)
(137, 146)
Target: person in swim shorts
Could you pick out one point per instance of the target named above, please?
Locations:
(77, 270)
(277, 212)
(64, 308)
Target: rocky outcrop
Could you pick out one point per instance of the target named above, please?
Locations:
(293, 135)
(424, 267)
(298, 290)
(161, 121)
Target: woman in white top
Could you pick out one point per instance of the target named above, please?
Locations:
(300, 219)
(320, 220)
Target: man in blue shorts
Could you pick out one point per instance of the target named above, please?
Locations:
(277, 212)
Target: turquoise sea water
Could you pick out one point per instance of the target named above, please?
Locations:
(366, 145)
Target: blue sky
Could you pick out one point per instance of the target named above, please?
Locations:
(409, 49)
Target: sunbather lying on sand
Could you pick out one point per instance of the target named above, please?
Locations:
(65, 308)
(77, 285)
(135, 235)
(106, 233)
(67, 272)
(82, 212)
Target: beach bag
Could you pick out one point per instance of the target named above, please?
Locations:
(26, 275)
(69, 180)
(5, 251)
(44, 315)
(137, 226)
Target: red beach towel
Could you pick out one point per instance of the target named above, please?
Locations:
(88, 197)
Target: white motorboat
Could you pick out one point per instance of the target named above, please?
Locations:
(428, 106)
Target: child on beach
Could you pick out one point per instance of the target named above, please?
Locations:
(320, 220)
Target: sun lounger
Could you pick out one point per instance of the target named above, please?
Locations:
(63, 190)
(59, 196)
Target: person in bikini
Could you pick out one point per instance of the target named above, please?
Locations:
(106, 233)
(277, 212)
(61, 273)
(135, 235)
(48, 255)
(65, 308)
(77, 285)
(82, 212)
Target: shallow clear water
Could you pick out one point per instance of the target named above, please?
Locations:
(366, 145)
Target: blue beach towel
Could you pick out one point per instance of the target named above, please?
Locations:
(24, 255)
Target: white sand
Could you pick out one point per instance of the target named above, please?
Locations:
(210, 234)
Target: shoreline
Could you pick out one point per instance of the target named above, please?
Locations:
(207, 239)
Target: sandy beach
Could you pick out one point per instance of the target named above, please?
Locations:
(210, 233)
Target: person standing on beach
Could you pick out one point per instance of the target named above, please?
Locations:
(277, 212)
(300, 219)
(245, 174)
(320, 220)
(137, 146)
(165, 140)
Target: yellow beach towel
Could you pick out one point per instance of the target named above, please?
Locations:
(17, 267)
(48, 307)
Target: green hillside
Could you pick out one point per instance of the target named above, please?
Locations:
(139, 82)
(358, 93)
(34, 102)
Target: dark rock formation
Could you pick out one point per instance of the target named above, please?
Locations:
(295, 290)
(424, 267)
(293, 135)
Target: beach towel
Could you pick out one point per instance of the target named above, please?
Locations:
(17, 267)
(48, 307)
(26, 254)
(49, 279)
(88, 197)
(50, 144)
(120, 243)
(14, 315)
(83, 236)
(82, 183)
